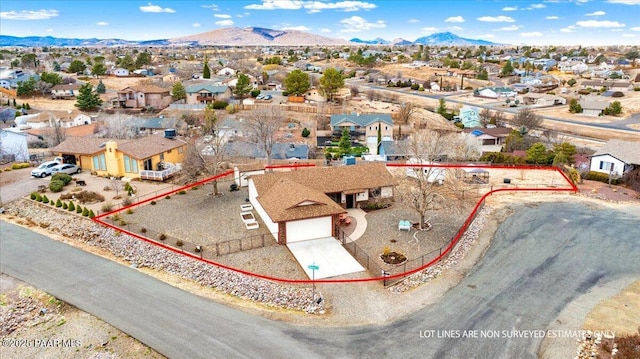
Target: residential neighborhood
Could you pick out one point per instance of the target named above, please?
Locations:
(315, 181)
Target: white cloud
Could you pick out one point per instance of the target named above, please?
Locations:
(537, 6)
(28, 15)
(297, 28)
(49, 30)
(102, 23)
(487, 36)
(243, 14)
(413, 21)
(358, 24)
(429, 30)
(454, 19)
(628, 35)
(313, 11)
(596, 13)
(325, 30)
(625, 2)
(531, 34)
(553, 17)
(224, 22)
(222, 16)
(213, 7)
(509, 28)
(312, 6)
(617, 30)
(155, 8)
(500, 18)
(570, 28)
(510, 8)
(455, 28)
(635, 28)
(196, 25)
(599, 24)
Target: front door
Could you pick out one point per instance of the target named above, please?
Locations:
(147, 165)
(350, 200)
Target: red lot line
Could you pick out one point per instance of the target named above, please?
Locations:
(444, 253)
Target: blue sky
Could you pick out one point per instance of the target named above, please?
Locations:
(539, 22)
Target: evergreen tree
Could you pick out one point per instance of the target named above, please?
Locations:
(178, 92)
(330, 82)
(243, 87)
(206, 72)
(100, 88)
(507, 69)
(345, 142)
(574, 106)
(88, 100)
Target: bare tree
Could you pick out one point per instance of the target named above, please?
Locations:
(118, 126)
(422, 189)
(485, 116)
(355, 90)
(527, 119)
(407, 109)
(263, 124)
(55, 133)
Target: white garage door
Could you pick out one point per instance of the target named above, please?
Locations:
(308, 229)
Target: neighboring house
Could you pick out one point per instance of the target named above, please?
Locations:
(64, 119)
(470, 117)
(364, 127)
(314, 94)
(13, 145)
(286, 151)
(171, 78)
(152, 125)
(394, 151)
(593, 108)
(204, 94)
(7, 114)
(608, 85)
(495, 92)
(144, 96)
(226, 71)
(64, 91)
(541, 99)
(490, 139)
(305, 204)
(616, 157)
(9, 78)
(145, 157)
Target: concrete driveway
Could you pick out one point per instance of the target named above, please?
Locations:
(542, 258)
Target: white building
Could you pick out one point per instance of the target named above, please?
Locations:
(14, 143)
(616, 157)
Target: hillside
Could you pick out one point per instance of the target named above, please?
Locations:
(254, 36)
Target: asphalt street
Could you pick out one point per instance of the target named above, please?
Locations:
(541, 259)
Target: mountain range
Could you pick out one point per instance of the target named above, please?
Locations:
(235, 36)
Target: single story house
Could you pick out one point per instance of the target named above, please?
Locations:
(7, 114)
(287, 151)
(593, 108)
(9, 78)
(144, 96)
(541, 99)
(393, 151)
(491, 139)
(616, 157)
(495, 92)
(144, 157)
(13, 145)
(65, 91)
(305, 204)
(120, 72)
(204, 94)
(171, 78)
(364, 127)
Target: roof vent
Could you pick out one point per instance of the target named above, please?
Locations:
(170, 133)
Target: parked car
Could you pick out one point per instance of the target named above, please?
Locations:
(44, 169)
(260, 97)
(267, 97)
(66, 168)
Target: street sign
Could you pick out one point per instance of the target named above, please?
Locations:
(313, 267)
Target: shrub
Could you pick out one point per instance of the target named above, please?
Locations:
(231, 109)
(143, 230)
(8, 169)
(63, 177)
(182, 192)
(38, 197)
(79, 209)
(584, 92)
(285, 93)
(153, 203)
(85, 212)
(56, 186)
(167, 197)
(107, 207)
(179, 243)
(255, 93)
(45, 199)
(33, 195)
(129, 211)
(126, 201)
(17, 166)
(91, 214)
(636, 89)
(72, 207)
(84, 197)
(195, 188)
(459, 124)
(65, 205)
(617, 94)
(129, 188)
(58, 203)
(305, 132)
(162, 237)
(601, 177)
(220, 105)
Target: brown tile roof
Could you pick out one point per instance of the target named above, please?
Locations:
(139, 148)
(66, 87)
(331, 179)
(626, 151)
(145, 89)
(287, 200)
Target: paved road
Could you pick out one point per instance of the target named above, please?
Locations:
(540, 260)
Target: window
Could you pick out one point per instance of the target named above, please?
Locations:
(180, 149)
(99, 163)
(162, 157)
(607, 166)
(130, 165)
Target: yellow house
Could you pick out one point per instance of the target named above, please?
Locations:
(154, 157)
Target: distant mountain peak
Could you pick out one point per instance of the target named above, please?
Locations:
(448, 38)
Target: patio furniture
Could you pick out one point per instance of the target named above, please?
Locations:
(246, 207)
(404, 225)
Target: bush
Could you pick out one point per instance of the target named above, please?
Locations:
(45, 199)
(63, 177)
(195, 188)
(56, 186)
(220, 105)
(162, 237)
(143, 230)
(601, 177)
(129, 211)
(79, 209)
(459, 124)
(58, 203)
(584, 92)
(38, 197)
(285, 93)
(72, 207)
(179, 243)
(182, 192)
(305, 132)
(107, 207)
(231, 109)
(65, 205)
(85, 212)
(255, 93)
(33, 195)
(126, 202)
(167, 197)
(91, 214)
(17, 166)
(153, 203)
(617, 94)
(8, 169)
(129, 188)
(636, 89)
(84, 197)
